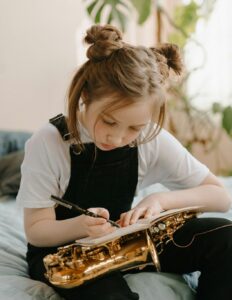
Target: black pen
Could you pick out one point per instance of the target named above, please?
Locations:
(81, 210)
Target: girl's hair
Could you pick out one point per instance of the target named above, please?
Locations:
(123, 72)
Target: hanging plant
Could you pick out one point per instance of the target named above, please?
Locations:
(186, 17)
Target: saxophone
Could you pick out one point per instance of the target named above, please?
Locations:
(76, 264)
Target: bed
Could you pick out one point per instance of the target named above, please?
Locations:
(15, 283)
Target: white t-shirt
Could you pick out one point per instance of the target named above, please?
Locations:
(46, 166)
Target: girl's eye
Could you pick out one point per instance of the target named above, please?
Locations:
(110, 123)
(135, 129)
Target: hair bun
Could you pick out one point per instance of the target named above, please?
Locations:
(172, 54)
(104, 39)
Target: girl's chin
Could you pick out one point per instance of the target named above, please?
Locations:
(105, 147)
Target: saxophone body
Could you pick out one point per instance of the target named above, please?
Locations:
(75, 264)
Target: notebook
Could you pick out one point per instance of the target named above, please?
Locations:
(141, 224)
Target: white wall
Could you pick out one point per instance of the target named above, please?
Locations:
(212, 82)
(40, 48)
(37, 59)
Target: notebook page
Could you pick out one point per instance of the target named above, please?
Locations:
(139, 225)
(89, 241)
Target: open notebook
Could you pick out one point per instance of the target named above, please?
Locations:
(139, 225)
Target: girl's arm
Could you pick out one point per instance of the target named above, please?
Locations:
(43, 230)
(210, 195)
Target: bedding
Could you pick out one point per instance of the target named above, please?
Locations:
(10, 172)
(11, 141)
(15, 283)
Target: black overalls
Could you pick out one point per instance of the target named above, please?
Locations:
(98, 179)
(109, 180)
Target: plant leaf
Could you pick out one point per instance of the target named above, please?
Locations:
(110, 18)
(185, 18)
(120, 17)
(91, 7)
(217, 107)
(143, 8)
(115, 13)
(227, 119)
(98, 14)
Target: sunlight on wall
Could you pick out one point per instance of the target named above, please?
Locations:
(212, 82)
(37, 59)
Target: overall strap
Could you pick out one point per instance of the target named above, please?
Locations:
(60, 123)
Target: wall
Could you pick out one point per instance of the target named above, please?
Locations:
(37, 59)
(41, 46)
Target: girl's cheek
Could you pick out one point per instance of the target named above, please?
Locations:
(99, 130)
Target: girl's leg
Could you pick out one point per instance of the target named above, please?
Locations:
(203, 244)
(110, 287)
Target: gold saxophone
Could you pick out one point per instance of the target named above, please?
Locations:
(76, 264)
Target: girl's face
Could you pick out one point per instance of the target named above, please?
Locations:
(117, 128)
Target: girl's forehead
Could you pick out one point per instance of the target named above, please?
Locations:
(112, 103)
(138, 112)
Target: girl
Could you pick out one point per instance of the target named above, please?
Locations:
(109, 147)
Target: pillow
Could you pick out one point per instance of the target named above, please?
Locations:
(11, 141)
(10, 174)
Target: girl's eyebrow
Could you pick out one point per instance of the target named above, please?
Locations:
(110, 116)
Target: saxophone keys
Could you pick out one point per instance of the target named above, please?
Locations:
(156, 229)
(168, 241)
(161, 226)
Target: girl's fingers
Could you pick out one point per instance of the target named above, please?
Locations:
(125, 218)
(131, 216)
(99, 230)
(98, 226)
(100, 211)
(148, 213)
(137, 213)
(91, 221)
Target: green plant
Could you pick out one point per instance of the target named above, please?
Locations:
(185, 17)
(184, 21)
(118, 10)
(226, 116)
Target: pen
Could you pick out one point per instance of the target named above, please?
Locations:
(81, 210)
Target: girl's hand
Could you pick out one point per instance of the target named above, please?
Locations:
(147, 208)
(95, 227)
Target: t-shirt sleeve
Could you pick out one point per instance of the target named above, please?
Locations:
(170, 164)
(40, 169)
